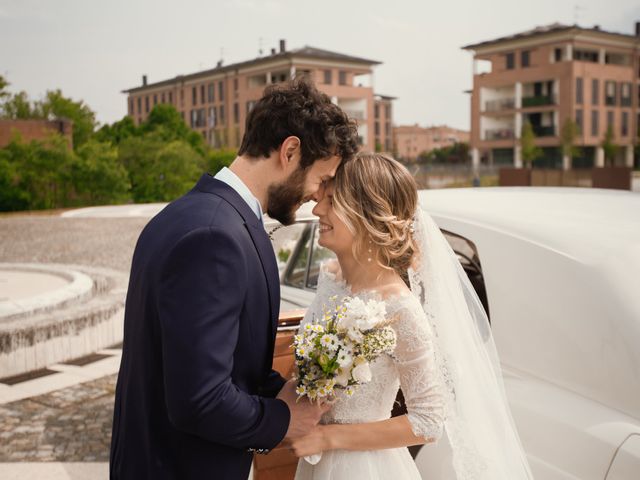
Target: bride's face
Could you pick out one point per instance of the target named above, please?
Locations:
(334, 234)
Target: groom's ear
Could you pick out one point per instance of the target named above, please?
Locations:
(290, 153)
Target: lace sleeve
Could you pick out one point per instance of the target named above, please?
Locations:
(420, 380)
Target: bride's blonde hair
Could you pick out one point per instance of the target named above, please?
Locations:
(376, 197)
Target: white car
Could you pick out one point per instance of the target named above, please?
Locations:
(558, 271)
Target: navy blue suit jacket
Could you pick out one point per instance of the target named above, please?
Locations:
(196, 387)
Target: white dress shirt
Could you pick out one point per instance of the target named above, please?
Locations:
(227, 176)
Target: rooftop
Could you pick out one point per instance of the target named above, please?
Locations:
(298, 53)
(547, 30)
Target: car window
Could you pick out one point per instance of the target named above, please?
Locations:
(319, 254)
(284, 240)
(296, 273)
(467, 254)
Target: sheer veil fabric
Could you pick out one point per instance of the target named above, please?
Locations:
(478, 422)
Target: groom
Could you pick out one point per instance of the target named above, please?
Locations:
(196, 393)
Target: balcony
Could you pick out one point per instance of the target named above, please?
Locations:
(538, 101)
(499, 104)
(544, 131)
(499, 134)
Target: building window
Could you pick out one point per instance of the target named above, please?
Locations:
(328, 77)
(624, 130)
(221, 117)
(579, 92)
(221, 91)
(579, 121)
(610, 124)
(625, 94)
(524, 58)
(377, 128)
(342, 77)
(194, 95)
(171, 98)
(202, 97)
(586, 55)
(376, 110)
(557, 54)
(162, 98)
(235, 84)
(595, 128)
(236, 113)
(387, 112)
(146, 104)
(139, 105)
(511, 60)
(212, 92)
(131, 106)
(595, 91)
(194, 117)
(212, 116)
(155, 99)
(610, 93)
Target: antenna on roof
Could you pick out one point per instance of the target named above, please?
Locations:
(577, 9)
(221, 61)
(260, 39)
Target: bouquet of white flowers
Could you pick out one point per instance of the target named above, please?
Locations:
(335, 352)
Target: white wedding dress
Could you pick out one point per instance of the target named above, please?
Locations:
(412, 368)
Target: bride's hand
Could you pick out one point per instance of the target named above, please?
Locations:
(317, 441)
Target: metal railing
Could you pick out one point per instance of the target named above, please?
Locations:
(499, 104)
(539, 100)
(499, 134)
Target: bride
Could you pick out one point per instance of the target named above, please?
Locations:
(444, 362)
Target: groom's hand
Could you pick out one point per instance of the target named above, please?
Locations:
(305, 415)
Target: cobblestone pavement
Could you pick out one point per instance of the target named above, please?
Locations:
(70, 425)
(103, 242)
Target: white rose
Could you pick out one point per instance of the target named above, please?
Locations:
(362, 373)
(343, 377)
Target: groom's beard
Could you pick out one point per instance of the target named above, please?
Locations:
(285, 198)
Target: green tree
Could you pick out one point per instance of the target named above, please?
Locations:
(98, 177)
(166, 122)
(44, 170)
(217, 159)
(12, 196)
(456, 153)
(4, 93)
(609, 146)
(117, 131)
(568, 137)
(18, 107)
(57, 106)
(159, 171)
(529, 150)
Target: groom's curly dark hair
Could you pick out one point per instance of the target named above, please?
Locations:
(298, 108)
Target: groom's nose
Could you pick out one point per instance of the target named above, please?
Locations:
(319, 194)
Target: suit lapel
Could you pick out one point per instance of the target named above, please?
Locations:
(260, 240)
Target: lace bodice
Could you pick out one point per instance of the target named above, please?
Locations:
(411, 368)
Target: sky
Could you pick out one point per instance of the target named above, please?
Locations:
(94, 49)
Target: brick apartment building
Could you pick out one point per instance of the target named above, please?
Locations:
(412, 140)
(35, 130)
(550, 74)
(215, 102)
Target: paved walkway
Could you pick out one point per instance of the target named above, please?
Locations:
(58, 427)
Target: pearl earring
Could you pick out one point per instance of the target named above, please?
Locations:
(369, 251)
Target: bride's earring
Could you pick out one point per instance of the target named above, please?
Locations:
(369, 252)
